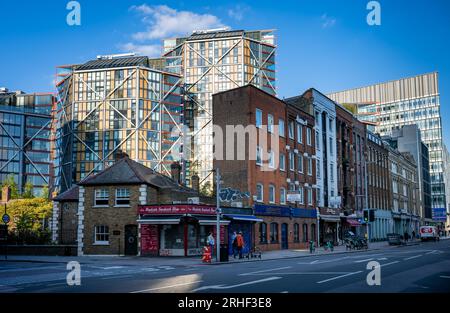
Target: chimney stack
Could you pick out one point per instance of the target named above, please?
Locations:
(119, 155)
(175, 172)
(6, 194)
(195, 180)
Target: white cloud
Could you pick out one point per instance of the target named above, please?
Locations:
(147, 50)
(237, 12)
(327, 21)
(162, 21)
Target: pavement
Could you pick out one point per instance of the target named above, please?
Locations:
(419, 267)
(177, 261)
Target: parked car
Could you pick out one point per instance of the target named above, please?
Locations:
(428, 232)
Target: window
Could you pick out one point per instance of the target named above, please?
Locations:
(271, 159)
(300, 163)
(310, 166)
(291, 130)
(101, 197)
(258, 155)
(259, 193)
(263, 233)
(313, 232)
(291, 161)
(330, 125)
(270, 123)
(299, 133)
(305, 232)
(282, 196)
(309, 196)
(317, 170)
(296, 232)
(101, 235)
(331, 146)
(308, 136)
(271, 194)
(258, 118)
(273, 232)
(300, 192)
(317, 141)
(332, 171)
(123, 196)
(282, 162)
(318, 195)
(281, 127)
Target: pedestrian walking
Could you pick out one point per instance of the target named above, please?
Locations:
(413, 235)
(240, 243)
(234, 244)
(211, 242)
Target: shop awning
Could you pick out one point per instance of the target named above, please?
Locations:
(249, 218)
(353, 222)
(167, 220)
(330, 218)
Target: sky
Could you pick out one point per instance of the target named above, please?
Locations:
(326, 44)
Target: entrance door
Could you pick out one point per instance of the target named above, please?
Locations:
(284, 236)
(131, 244)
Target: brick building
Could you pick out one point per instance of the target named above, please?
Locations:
(280, 175)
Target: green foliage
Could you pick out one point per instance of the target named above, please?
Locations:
(11, 183)
(44, 193)
(28, 192)
(207, 189)
(29, 220)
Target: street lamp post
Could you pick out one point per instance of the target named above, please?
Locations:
(218, 211)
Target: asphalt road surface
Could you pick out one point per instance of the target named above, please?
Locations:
(419, 268)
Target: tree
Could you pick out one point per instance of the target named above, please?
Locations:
(44, 192)
(28, 192)
(11, 183)
(206, 189)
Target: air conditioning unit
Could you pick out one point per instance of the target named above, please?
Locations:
(194, 200)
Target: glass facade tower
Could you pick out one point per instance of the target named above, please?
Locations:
(26, 139)
(210, 62)
(115, 105)
(414, 100)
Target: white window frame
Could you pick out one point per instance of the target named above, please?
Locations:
(270, 121)
(258, 199)
(282, 162)
(101, 230)
(271, 159)
(308, 136)
(300, 163)
(272, 194)
(291, 130)
(258, 115)
(299, 133)
(291, 161)
(302, 195)
(122, 194)
(310, 166)
(282, 195)
(104, 196)
(258, 153)
(309, 196)
(281, 128)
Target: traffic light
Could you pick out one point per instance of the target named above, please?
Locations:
(366, 216)
(371, 216)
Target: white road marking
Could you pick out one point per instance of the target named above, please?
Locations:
(444, 276)
(301, 273)
(238, 285)
(413, 257)
(284, 292)
(382, 259)
(167, 287)
(386, 264)
(264, 271)
(337, 277)
(365, 260)
(56, 284)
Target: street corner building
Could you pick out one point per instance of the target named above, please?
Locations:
(130, 209)
(272, 170)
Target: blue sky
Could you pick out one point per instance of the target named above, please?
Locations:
(325, 44)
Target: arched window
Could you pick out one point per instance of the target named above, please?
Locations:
(296, 232)
(305, 232)
(313, 232)
(263, 233)
(273, 232)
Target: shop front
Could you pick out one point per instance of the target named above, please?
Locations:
(329, 225)
(177, 230)
(350, 224)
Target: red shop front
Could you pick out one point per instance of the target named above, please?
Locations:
(177, 230)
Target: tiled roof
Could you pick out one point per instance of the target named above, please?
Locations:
(68, 195)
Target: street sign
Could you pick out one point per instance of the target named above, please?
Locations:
(294, 197)
(6, 218)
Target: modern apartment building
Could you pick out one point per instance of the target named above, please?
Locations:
(328, 200)
(391, 105)
(26, 138)
(278, 167)
(408, 139)
(213, 61)
(112, 105)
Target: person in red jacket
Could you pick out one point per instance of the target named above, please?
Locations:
(240, 244)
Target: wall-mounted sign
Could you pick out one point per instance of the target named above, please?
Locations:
(177, 209)
(274, 210)
(439, 214)
(294, 197)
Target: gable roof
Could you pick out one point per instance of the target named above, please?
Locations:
(129, 172)
(68, 195)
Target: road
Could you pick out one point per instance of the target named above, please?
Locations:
(419, 268)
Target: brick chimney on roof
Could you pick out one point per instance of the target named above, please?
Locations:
(175, 172)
